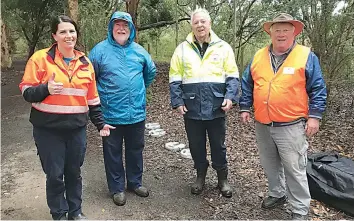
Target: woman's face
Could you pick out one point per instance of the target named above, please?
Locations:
(66, 35)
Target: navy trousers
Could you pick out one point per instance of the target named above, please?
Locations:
(197, 131)
(62, 153)
(133, 137)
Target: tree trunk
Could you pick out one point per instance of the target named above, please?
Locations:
(73, 9)
(31, 49)
(73, 12)
(132, 9)
(6, 60)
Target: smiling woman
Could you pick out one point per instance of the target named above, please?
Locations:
(59, 81)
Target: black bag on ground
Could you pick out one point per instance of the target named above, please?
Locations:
(331, 180)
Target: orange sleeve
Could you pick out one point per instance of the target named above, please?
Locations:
(92, 94)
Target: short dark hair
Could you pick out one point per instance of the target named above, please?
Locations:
(62, 18)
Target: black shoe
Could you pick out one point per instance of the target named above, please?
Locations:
(198, 185)
(223, 185)
(271, 202)
(296, 216)
(119, 199)
(80, 216)
(141, 191)
(63, 217)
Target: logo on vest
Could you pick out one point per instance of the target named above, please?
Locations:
(288, 70)
(215, 57)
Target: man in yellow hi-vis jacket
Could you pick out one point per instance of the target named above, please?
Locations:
(203, 84)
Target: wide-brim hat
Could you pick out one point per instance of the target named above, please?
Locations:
(284, 18)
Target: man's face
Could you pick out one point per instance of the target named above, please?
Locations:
(282, 35)
(200, 26)
(121, 31)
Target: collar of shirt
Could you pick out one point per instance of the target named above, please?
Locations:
(278, 60)
(202, 48)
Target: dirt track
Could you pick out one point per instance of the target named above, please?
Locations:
(167, 175)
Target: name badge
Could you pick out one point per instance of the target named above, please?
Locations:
(288, 70)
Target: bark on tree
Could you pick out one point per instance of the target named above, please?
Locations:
(73, 9)
(73, 12)
(132, 9)
(6, 60)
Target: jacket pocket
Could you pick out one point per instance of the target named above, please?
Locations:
(85, 77)
(189, 101)
(217, 100)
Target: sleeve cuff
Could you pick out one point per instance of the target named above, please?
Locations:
(245, 109)
(315, 114)
(175, 105)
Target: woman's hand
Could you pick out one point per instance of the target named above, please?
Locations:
(54, 87)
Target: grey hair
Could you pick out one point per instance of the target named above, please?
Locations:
(200, 10)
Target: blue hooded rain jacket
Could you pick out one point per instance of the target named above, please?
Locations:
(122, 73)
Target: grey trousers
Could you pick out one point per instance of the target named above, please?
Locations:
(283, 154)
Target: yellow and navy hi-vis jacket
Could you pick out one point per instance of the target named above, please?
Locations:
(202, 83)
(67, 110)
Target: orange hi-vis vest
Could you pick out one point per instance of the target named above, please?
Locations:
(280, 96)
(78, 80)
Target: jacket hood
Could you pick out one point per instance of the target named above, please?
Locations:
(123, 16)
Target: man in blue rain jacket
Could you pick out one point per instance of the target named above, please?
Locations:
(124, 70)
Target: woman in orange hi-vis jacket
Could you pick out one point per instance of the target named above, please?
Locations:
(60, 83)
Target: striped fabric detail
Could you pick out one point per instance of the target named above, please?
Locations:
(233, 74)
(203, 79)
(65, 91)
(175, 78)
(95, 101)
(74, 92)
(60, 109)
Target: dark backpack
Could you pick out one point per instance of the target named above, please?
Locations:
(331, 180)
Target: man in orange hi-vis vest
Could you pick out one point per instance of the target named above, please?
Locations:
(284, 84)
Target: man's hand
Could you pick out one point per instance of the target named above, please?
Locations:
(54, 87)
(226, 105)
(312, 126)
(105, 131)
(182, 110)
(245, 117)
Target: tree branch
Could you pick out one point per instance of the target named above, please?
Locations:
(160, 24)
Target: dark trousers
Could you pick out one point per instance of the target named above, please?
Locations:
(62, 153)
(133, 137)
(197, 131)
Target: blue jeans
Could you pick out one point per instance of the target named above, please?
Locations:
(62, 154)
(133, 137)
(197, 131)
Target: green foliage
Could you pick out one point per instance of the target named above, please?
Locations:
(30, 19)
(154, 11)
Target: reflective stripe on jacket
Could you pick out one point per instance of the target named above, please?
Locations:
(79, 90)
(202, 83)
(281, 96)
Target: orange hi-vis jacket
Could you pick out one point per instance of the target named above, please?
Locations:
(281, 96)
(67, 110)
